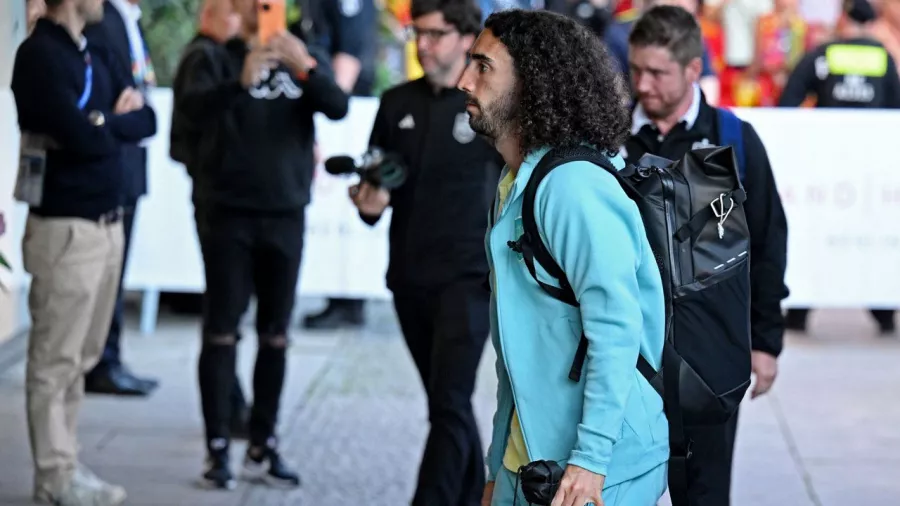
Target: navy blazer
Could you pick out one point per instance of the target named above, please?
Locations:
(112, 34)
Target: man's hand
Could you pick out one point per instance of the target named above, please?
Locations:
(765, 366)
(292, 52)
(258, 61)
(370, 200)
(579, 487)
(488, 494)
(129, 100)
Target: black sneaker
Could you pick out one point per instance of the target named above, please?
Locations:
(264, 464)
(217, 476)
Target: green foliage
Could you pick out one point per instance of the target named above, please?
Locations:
(169, 25)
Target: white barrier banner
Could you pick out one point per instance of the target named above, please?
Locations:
(836, 171)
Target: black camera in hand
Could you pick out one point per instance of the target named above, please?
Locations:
(378, 168)
(540, 481)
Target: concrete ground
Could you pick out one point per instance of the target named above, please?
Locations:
(354, 421)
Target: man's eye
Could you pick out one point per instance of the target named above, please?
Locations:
(482, 67)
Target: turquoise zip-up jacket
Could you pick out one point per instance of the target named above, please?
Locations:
(612, 421)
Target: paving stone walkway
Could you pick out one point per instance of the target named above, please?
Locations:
(354, 421)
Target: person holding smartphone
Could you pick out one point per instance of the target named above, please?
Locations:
(254, 104)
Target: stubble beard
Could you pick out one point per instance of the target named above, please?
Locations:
(495, 119)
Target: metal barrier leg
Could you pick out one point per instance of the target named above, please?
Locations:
(149, 311)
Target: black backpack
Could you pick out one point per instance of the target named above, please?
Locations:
(694, 218)
(185, 137)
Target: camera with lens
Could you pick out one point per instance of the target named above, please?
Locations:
(540, 481)
(377, 168)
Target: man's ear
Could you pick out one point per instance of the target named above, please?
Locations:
(693, 70)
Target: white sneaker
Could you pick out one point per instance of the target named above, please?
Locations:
(84, 475)
(86, 489)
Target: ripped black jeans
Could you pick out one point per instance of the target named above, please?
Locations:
(246, 253)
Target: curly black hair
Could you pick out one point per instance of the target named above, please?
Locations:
(570, 90)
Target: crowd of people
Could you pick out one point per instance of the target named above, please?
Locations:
(486, 133)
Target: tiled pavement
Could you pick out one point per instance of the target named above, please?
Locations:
(354, 422)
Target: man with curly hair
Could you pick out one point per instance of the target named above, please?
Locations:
(536, 81)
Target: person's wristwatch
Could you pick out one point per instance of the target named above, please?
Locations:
(97, 118)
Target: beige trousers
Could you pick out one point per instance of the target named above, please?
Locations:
(75, 266)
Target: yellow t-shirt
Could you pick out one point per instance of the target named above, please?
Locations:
(516, 454)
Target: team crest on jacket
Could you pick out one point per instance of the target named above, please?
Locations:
(350, 8)
(462, 131)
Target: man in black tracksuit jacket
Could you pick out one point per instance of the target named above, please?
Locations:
(437, 263)
(670, 119)
(254, 105)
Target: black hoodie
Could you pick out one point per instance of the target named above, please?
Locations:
(256, 150)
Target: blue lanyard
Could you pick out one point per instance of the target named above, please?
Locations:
(88, 81)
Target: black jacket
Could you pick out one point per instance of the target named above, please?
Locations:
(112, 34)
(84, 177)
(440, 213)
(872, 86)
(765, 217)
(256, 151)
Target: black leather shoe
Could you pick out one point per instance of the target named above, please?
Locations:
(334, 317)
(117, 380)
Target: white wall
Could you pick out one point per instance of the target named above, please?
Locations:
(13, 312)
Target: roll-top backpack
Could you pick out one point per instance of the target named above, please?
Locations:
(695, 223)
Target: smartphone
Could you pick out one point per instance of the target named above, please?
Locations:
(272, 19)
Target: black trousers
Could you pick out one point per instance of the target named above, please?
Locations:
(883, 317)
(238, 400)
(244, 253)
(112, 349)
(709, 468)
(445, 330)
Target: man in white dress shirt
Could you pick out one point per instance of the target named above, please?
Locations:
(120, 32)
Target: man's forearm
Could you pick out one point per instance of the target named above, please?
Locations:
(326, 97)
(346, 71)
(134, 126)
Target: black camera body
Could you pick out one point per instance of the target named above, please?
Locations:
(378, 168)
(540, 481)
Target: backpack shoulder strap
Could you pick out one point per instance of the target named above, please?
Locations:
(530, 244)
(731, 133)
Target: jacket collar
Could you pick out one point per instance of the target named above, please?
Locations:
(528, 164)
(639, 117)
(48, 27)
(525, 170)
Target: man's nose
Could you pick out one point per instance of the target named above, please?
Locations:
(641, 82)
(465, 81)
